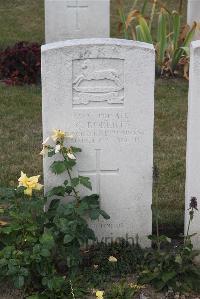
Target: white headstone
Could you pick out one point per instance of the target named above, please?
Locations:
(193, 142)
(72, 19)
(102, 91)
(193, 15)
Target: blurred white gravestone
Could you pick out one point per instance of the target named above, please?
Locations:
(193, 15)
(72, 19)
(193, 142)
(102, 91)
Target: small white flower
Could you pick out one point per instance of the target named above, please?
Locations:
(71, 156)
(45, 141)
(112, 259)
(44, 151)
(57, 148)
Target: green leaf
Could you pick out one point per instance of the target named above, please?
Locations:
(146, 34)
(51, 153)
(168, 276)
(45, 252)
(82, 208)
(53, 205)
(162, 36)
(186, 50)
(68, 189)
(139, 36)
(59, 191)
(76, 149)
(85, 181)
(68, 238)
(58, 167)
(75, 182)
(176, 19)
(69, 164)
(90, 234)
(47, 240)
(66, 182)
(179, 52)
(94, 214)
(178, 259)
(19, 282)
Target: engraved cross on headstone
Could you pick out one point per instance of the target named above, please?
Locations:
(77, 6)
(98, 172)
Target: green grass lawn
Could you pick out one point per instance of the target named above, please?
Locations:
(20, 114)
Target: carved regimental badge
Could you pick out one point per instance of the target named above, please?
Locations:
(95, 82)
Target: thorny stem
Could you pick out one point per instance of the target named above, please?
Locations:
(70, 177)
(74, 190)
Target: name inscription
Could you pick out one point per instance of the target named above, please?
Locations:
(95, 127)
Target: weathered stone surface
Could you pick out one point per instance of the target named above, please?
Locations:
(70, 19)
(102, 90)
(193, 142)
(193, 15)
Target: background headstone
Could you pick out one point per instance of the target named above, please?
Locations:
(102, 91)
(71, 19)
(193, 142)
(193, 15)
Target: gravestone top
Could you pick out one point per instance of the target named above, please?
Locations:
(102, 92)
(97, 41)
(69, 19)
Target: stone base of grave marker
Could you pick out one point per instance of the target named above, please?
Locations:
(102, 91)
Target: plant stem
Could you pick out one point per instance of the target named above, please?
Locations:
(70, 177)
(188, 229)
(74, 190)
(72, 291)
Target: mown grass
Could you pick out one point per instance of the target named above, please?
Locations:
(20, 114)
(20, 132)
(21, 20)
(170, 150)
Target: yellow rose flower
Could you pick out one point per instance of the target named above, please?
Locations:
(58, 135)
(112, 259)
(30, 183)
(99, 294)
